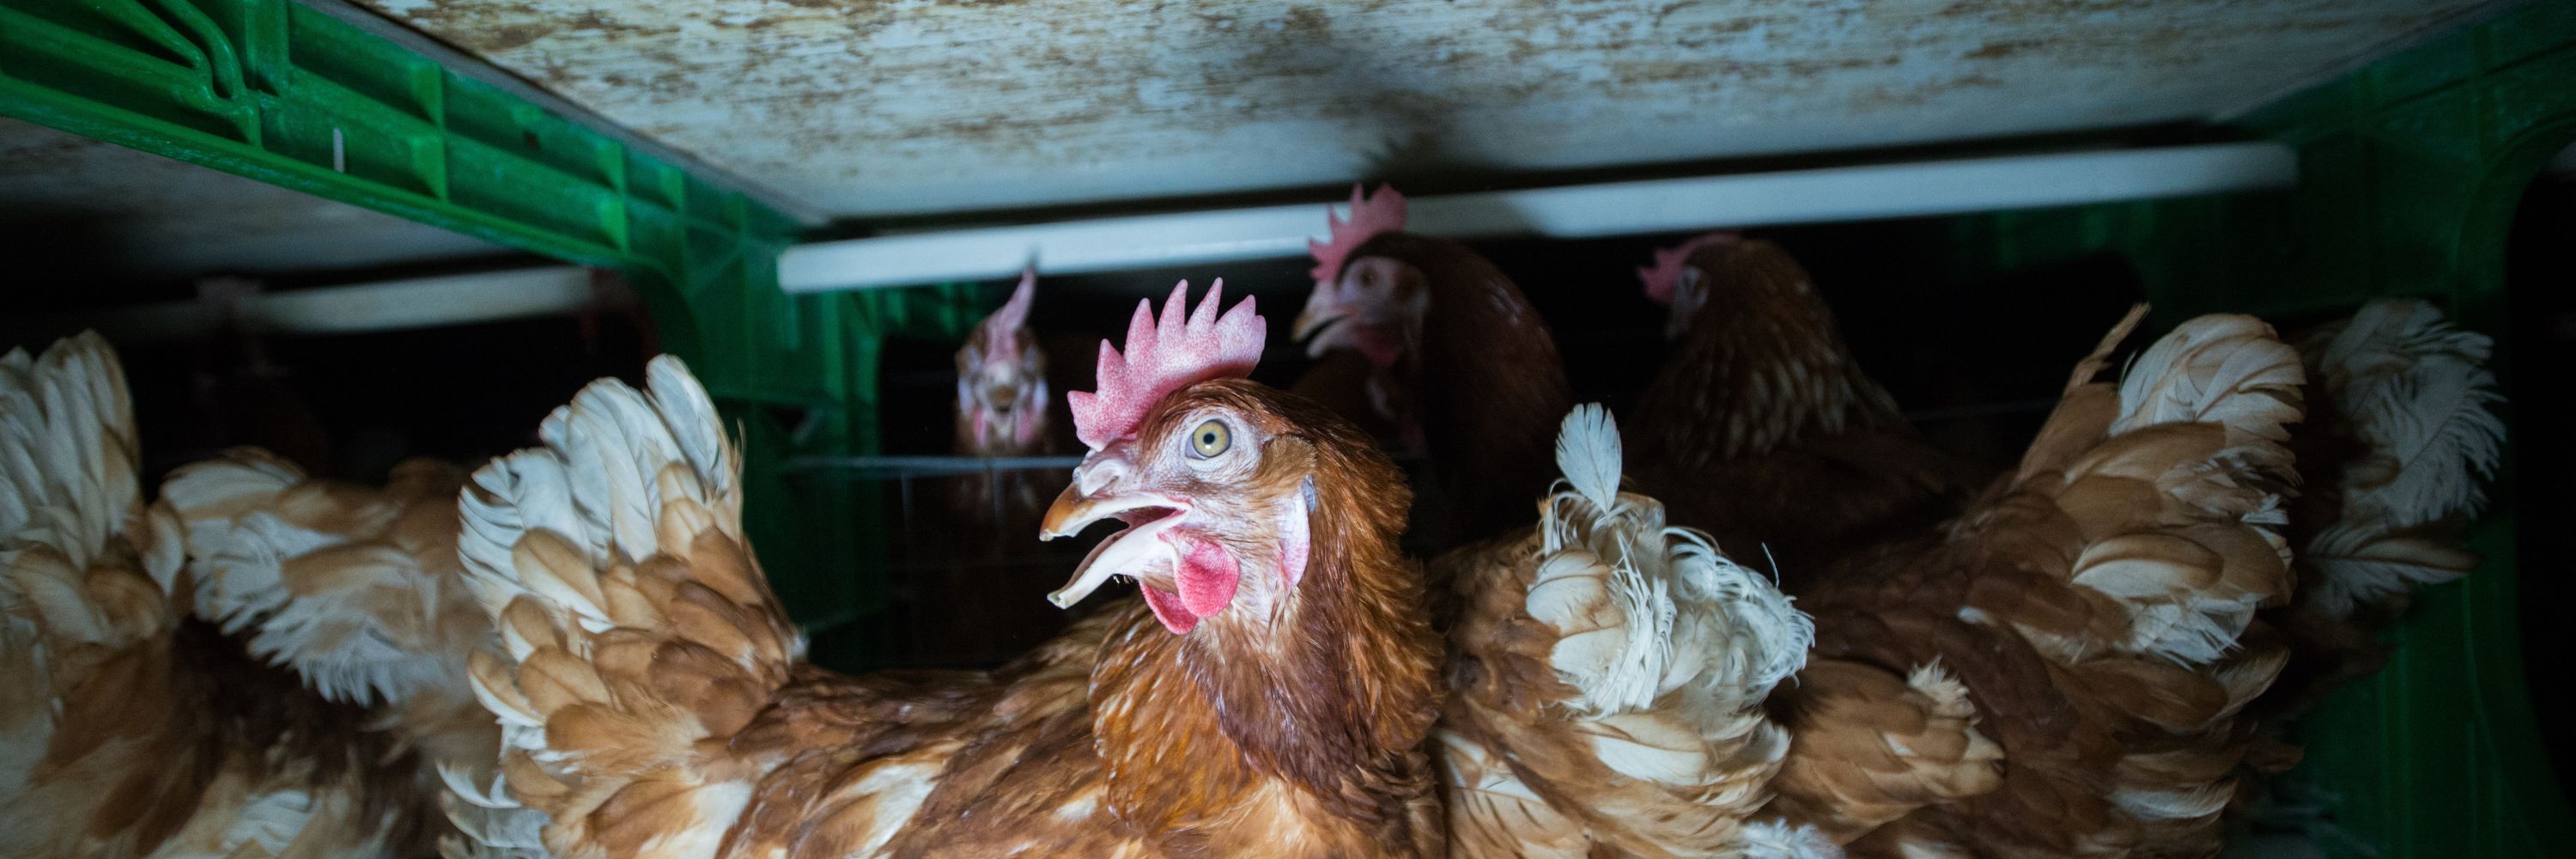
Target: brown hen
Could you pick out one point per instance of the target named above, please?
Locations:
(1476, 372)
(1763, 429)
(358, 591)
(1268, 697)
(1002, 411)
(1002, 385)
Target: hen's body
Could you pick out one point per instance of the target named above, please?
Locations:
(656, 703)
(992, 763)
(1608, 675)
(357, 590)
(1344, 381)
(2095, 608)
(1763, 429)
(1003, 411)
(131, 729)
(1488, 384)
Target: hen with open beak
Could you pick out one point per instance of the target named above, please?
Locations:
(1104, 487)
(1180, 453)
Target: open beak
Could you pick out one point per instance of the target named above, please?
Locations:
(1101, 490)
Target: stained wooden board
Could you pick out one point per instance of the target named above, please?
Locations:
(901, 107)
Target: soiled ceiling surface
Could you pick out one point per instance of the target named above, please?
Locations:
(896, 107)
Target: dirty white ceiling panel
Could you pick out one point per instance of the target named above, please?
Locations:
(902, 107)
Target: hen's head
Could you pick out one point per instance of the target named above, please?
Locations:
(1001, 380)
(1214, 476)
(1679, 278)
(1366, 298)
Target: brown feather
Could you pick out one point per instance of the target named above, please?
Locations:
(554, 679)
(2071, 602)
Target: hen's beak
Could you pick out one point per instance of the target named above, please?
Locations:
(1103, 488)
(1071, 512)
(1321, 311)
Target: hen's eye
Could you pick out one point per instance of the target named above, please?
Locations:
(1210, 439)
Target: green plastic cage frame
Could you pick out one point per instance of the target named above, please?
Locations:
(2411, 169)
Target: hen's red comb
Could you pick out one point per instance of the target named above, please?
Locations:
(1015, 312)
(1661, 277)
(1182, 348)
(1371, 216)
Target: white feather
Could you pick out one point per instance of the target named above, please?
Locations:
(2358, 563)
(691, 417)
(1773, 839)
(240, 545)
(67, 451)
(1646, 610)
(2419, 392)
(1588, 452)
(490, 822)
(461, 784)
(267, 824)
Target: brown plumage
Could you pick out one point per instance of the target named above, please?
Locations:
(1343, 381)
(358, 591)
(656, 703)
(1900, 743)
(132, 729)
(355, 587)
(2096, 608)
(1475, 366)
(1763, 429)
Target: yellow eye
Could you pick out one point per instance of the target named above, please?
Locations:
(1210, 439)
